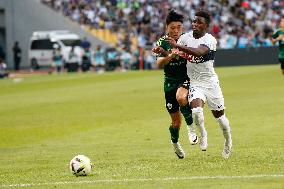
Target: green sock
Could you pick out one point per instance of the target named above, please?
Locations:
(174, 134)
(186, 112)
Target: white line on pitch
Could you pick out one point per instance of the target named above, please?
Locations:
(140, 180)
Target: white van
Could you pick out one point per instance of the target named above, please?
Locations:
(42, 44)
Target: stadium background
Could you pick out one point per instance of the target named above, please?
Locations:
(119, 120)
(112, 23)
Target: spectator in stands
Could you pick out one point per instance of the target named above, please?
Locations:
(149, 60)
(231, 40)
(72, 63)
(99, 55)
(125, 59)
(86, 60)
(17, 55)
(243, 41)
(144, 19)
(3, 72)
(57, 59)
(85, 43)
(135, 62)
(112, 60)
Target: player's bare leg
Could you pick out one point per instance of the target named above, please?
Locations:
(174, 130)
(182, 98)
(225, 127)
(198, 118)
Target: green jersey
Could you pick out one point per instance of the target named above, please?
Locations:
(175, 71)
(281, 43)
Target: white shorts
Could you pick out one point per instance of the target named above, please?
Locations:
(210, 93)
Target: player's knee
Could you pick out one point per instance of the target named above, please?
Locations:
(218, 114)
(176, 124)
(197, 114)
(182, 100)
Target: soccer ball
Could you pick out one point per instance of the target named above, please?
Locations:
(81, 165)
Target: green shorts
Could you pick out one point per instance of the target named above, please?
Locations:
(170, 89)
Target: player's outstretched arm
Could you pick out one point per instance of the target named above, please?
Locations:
(200, 51)
(166, 56)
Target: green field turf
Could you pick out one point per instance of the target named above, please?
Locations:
(119, 121)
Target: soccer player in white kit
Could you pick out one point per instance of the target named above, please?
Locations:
(199, 48)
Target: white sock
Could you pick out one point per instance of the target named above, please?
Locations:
(190, 128)
(225, 127)
(198, 118)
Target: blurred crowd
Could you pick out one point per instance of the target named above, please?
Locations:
(101, 59)
(236, 23)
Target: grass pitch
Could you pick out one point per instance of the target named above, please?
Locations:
(119, 121)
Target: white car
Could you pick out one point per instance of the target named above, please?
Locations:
(42, 44)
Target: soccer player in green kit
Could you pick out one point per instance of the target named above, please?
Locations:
(176, 82)
(278, 36)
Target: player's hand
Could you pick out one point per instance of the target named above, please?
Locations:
(158, 50)
(171, 41)
(178, 52)
(182, 54)
(174, 53)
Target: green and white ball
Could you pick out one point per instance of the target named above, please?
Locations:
(81, 165)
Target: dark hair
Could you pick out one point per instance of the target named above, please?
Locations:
(174, 16)
(205, 15)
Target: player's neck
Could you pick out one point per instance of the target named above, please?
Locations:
(198, 35)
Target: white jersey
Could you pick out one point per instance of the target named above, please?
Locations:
(200, 69)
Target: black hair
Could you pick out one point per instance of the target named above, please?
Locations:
(205, 15)
(174, 16)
